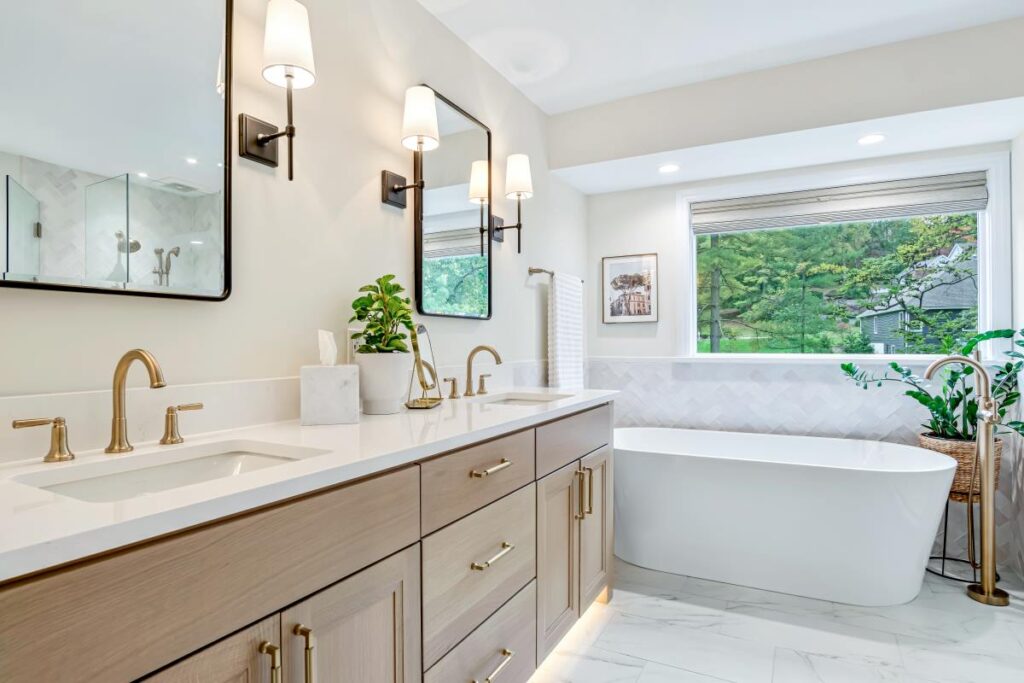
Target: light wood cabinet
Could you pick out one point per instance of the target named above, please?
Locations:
(596, 526)
(558, 542)
(365, 629)
(236, 658)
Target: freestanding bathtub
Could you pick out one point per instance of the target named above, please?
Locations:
(835, 519)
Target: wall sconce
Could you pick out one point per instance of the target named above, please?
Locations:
(480, 193)
(518, 186)
(287, 63)
(419, 134)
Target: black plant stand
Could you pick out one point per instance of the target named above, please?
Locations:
(944, 557)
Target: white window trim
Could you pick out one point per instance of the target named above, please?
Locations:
(995, 303)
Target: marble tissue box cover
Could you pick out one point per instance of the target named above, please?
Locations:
(329, 394)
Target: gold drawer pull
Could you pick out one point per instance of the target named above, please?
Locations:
(274, 652)
(480, 474)
(506, 548)
(581, 512)
(307, 633)
(508, 655)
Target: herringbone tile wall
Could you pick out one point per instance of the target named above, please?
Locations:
(802, 398)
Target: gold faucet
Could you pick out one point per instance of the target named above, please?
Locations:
(469, 365)
(119, 424)
(988, 414)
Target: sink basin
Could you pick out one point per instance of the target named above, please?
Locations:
(521, 398)
(125, 477)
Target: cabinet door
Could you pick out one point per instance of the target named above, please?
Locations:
(558, 597)
(236, 658)
(365, 629)
(596, 526)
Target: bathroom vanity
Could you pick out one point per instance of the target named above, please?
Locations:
(449, 545)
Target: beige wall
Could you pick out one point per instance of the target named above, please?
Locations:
(301, 249)
(963, 67)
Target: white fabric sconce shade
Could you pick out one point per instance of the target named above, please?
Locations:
(419, 124)
(518, 181)
(479, 187)
(287, 45)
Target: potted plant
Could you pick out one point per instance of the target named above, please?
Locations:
(952, 427)
(382, 355)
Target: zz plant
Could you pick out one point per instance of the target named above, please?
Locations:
(954, 408)
(386, 314)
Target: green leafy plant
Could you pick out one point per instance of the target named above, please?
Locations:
(954, 408)
(385, 314)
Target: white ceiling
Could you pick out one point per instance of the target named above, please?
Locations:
(114, 86)
(919, 132)
(567, 54)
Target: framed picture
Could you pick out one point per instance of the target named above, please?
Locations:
(630, 288)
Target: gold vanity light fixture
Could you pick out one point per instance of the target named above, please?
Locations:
(287, 63)
(518, 186)
(480, 193)
(419, 134)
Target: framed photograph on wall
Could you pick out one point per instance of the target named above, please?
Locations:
(630, 288)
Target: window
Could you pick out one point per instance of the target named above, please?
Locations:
(887, 267)
(454, 273)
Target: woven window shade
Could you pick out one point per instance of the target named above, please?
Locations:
(461, 242)
(955, 193)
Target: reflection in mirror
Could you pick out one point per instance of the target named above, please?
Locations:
(112, 138)
(453, 250)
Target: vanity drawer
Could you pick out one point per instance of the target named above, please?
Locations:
(561, 442)
(459, 483)
(508, 635)
(456, 596)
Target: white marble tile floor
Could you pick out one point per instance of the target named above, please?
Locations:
(663, 628)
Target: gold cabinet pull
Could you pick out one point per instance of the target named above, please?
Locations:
(506, 548)
(274, 652)
(508, 655)
(306, 633)
(480, 474)
(590, 490)
(581, 507)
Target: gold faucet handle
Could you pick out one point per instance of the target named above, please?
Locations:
(171, 433)
(454, 392)
(482, 387)
(59, 451)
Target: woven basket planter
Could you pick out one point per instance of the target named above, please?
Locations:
(963, 452)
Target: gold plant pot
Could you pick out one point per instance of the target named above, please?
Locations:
(963, 452)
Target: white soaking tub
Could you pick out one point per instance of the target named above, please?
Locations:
(835, 519)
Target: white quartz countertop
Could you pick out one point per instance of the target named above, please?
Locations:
(40, 529)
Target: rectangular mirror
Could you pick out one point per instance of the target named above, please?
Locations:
(453, 215)
(113, 147)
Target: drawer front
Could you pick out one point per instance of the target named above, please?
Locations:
(459, 483)
(508, 636)
(460, 588)
(122, 616)
(561, 442)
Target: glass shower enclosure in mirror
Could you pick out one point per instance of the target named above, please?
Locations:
(453, 215)
(113, 147)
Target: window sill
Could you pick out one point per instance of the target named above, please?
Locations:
(779, 359)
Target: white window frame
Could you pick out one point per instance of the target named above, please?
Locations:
(995, 306)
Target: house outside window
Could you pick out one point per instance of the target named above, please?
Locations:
(889, 267)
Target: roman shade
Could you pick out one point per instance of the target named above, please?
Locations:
(954, 193)
(461, 242)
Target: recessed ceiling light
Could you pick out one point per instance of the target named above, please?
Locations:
(191, 161)
(668, 168)
(196, 242)
(220, 164)
(142, 174)
(871, 139)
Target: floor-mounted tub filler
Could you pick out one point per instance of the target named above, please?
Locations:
(837, 519)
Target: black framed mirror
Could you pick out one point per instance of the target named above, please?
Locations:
(115, 148)
(453, 215)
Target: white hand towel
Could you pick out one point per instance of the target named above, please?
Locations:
(565, 332)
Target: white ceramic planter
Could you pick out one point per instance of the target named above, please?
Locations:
(383, 381)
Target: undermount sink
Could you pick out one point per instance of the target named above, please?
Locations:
(125, 477)
(521, 398)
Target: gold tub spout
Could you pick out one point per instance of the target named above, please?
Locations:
(119, 424)
(988, 414)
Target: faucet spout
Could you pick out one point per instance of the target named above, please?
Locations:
(469, 365)
(119, 424)
(982, 381)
